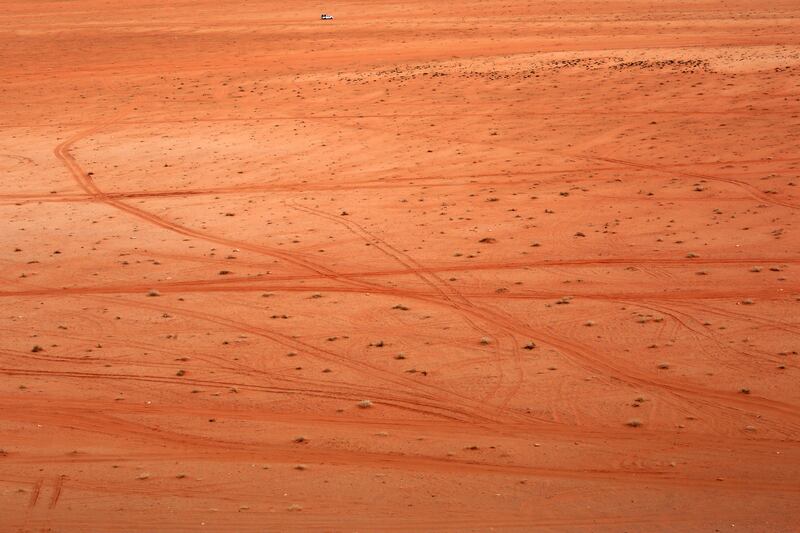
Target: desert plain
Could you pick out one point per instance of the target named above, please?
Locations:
(428, 266)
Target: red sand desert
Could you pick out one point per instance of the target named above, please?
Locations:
(463, 266)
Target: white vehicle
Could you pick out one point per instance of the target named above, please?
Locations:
(325, 16)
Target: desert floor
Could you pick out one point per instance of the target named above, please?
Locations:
(462, 266)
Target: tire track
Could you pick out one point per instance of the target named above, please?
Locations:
(578, 354)
(244, 285)
(447, 292)
(57, 487)
(746, 187)
(204, 447)
(62, 152)
(37, 488)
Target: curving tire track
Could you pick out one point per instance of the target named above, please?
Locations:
(501, 321)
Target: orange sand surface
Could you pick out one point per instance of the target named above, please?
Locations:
(463, 266)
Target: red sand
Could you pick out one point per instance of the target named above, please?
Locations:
(309, 200)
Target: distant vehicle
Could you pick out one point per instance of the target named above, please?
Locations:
(325, 16)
